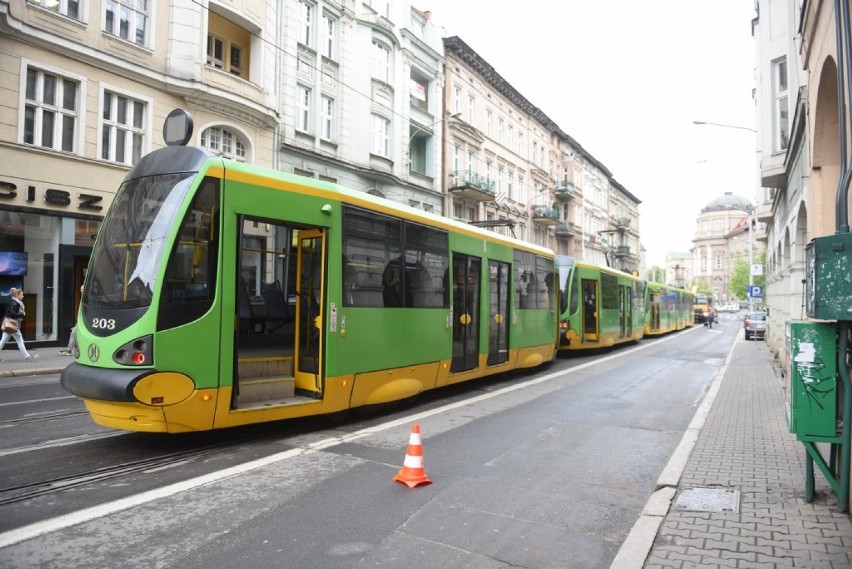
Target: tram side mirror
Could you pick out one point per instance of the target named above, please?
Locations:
(177, 128)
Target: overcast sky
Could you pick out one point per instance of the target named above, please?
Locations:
(626, 79)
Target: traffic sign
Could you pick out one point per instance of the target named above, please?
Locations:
(755, 291)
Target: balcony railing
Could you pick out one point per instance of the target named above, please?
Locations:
(565, 229)
(545, 215)
(564, 190)
(470, 185)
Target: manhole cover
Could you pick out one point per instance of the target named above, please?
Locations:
(709, 500)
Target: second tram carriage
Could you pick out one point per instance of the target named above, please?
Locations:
(602, 307)
(667, 309)
(222, 294)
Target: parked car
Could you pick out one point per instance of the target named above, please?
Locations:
(754, 325)
(729, 308)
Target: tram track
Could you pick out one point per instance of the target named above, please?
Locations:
(31, 490)
(41, 418)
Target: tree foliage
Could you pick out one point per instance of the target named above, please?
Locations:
(739, 280)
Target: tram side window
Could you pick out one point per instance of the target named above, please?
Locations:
(370, 243)
(426, 261)
(191, 272)
(546, 279)
(376, 273)
(536, 286)
(526, 288)
(609, 291)
(575, 293)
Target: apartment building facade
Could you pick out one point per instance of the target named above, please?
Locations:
(798, 100)
(362, 98)
(498, 149)
(362, 93)
(87, 86)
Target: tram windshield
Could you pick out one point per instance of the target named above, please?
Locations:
(132, 241)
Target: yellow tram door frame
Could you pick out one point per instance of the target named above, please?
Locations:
(310, 303)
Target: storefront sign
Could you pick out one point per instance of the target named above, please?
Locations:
(50, 196)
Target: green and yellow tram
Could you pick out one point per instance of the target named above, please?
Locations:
(599, 307)
(222, 294)
(667, 309)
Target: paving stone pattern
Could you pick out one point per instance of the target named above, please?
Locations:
(746, 445)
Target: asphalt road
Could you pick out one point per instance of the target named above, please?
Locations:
(545, 469)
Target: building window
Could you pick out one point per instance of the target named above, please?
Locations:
(782, 115)
(381, 136)
(224, 142)
(236, 67)
(69, 8)
(488, 117)
(127, 19)
(381, 61)
(500, 131)
(227, 46)
(327, 118)
(329, 26)
(303, 108)
(471, 106)
(521, 197)
(123, 122)
(50, 110)
(419, 95)
(215, 52)
(306, 22)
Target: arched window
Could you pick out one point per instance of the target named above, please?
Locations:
(224, 142)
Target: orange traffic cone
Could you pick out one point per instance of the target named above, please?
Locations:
(412, 472)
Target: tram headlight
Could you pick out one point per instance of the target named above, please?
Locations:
(135, 353)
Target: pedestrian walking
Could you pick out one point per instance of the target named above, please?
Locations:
(16, 312)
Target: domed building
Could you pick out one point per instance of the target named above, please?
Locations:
(721, 237)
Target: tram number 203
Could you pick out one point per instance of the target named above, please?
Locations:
(103, 323)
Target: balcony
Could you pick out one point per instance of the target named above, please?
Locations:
(564, 191)
(565, 229)
(545, 215)
(469, 185)
(763, 212)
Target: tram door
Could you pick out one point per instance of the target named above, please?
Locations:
(498, 312)
(466, 282)
(309, 314)
(590, 309)
(625, 309)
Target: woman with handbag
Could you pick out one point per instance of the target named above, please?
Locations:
(12, 323)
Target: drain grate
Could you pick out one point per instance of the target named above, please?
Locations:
(709, 500)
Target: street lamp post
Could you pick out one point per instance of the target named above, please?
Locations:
(750, 211)
(420, 129)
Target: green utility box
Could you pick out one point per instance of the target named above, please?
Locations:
(828, 286)
(811, 365)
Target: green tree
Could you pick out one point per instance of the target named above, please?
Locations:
(739, 280)
(699, 286)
